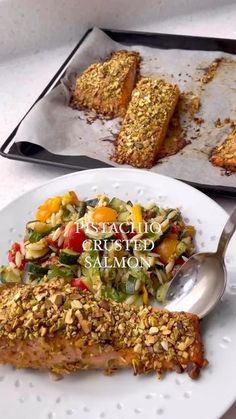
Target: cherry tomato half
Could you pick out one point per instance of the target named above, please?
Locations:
(12, 255)
(104, 215)
(78, 283)
(127, 229)
(175, 229)
(74, 239)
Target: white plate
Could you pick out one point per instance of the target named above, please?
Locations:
(91, 395)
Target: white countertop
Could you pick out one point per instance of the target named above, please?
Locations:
(30, 56)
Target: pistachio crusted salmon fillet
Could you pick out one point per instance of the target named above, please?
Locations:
(225, 154)
(145, 124)
(54, 326)
(106, 87)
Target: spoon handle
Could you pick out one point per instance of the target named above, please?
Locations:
(226, 234)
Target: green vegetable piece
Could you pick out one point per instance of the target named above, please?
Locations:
(118, 205)
(36, 269)
(129, 203)
(81, 208)
(9, 276)
(62, 271)
(94, 273)
(123, 216)
(87, 281)
(35, 237)
(114, 294)
(161, 292)
(36, 230)
(38, 226)
(92, 202)
(130, 285)
(68, 257)
(139, 274)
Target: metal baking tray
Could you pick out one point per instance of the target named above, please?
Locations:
(35, 154)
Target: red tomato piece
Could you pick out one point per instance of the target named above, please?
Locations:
(74, 239)
(23, 263)
(53, 243)
(130, 235)
(12, 252)
(118, 234)
(175, 229)
(12, 255)
(179, 261)
(78, 283)
(126, 229)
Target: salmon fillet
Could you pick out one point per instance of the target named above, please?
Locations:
(56, 327)
(145, 124)
(225, 154)
(106, 87)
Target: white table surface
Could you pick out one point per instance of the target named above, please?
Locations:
(27, 66)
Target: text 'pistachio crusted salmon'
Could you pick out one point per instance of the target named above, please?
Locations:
(54, 326)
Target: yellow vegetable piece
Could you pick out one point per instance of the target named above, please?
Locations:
(137, 218)
(189, 231)
(145, 295)
(50, 206)
(70, 198)
(167, 248)
(104, 215)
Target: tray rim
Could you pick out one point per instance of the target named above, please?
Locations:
(220, 190)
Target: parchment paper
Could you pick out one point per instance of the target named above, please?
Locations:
(53, 125)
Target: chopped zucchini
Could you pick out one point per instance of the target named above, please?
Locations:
(36, 269)
(32, 254)
(181, 248)
(123, 216)
(129, 203)
(34, 236)
(68, 257)
(39, 227)
(118, 205)
(92, 202)
(130, 285)
(113, 294)
(81, 208)
(62, 271)
(88, 283)
(99, 235)
(8, 275)
(94, 271)
(36, 230)
(161, 292)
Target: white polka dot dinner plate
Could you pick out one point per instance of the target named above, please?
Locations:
(90, 395)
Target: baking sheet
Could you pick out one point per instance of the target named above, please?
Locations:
(64, 131)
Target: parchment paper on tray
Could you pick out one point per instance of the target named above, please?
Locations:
(53, 125)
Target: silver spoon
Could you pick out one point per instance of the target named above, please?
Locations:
(200, 282)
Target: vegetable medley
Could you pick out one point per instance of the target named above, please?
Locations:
(116, 249)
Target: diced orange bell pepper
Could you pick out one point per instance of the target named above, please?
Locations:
(166, 249)
(50, 206)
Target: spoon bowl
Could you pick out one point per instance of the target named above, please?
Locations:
(200, 283)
